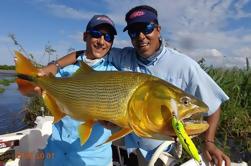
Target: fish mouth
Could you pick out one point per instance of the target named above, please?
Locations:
(193, 121)
(194, 128)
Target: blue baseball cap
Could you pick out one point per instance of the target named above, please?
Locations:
(101, 19)
(140, 14)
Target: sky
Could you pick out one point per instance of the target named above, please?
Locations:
(217, 30)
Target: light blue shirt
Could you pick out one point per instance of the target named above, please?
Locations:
(64, 143)
(177, 69)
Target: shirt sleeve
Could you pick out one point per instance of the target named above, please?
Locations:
(67, 71)
(205, 88)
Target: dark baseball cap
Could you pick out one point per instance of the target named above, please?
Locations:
(101, 19)
(140, 14)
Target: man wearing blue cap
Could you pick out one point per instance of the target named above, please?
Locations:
(64, 143)
(150, 54)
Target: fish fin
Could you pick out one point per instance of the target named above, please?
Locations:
(25, 71)
(121, 133)
(84, 68)
(85, 130)
(24, 65)
(53, 107)
(25, 87)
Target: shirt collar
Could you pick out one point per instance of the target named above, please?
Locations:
(91, 62)
(150, 60)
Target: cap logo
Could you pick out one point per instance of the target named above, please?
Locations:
(136, 14)
(105, 19)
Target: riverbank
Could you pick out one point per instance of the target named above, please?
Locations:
(7, 72)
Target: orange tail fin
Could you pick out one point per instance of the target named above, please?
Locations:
(25, 87)
(24, 66)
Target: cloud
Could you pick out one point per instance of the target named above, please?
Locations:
(243, 52)
(67, 12)
(195, 27)
(76, 37)
(239, 11)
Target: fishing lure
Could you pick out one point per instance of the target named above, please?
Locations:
(185, 140)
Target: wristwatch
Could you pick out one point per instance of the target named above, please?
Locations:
(56, 64)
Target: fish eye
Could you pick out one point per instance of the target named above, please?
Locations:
(185, 100)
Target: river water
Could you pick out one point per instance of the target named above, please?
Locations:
(12, 104)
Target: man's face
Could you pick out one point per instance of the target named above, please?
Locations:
(98, 42)
(145, 38)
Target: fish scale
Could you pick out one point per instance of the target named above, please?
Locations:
(96, 100)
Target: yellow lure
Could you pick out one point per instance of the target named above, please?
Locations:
(184, 139)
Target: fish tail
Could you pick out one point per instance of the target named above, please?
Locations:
(24, 65)
(25, 77)
(26, 73)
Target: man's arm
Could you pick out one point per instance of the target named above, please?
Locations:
(211, 152)
(60, 63)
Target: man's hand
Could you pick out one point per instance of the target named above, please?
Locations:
(43, 72)
(210, 151)
(215, 155)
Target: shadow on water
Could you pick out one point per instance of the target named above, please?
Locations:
(11, 105)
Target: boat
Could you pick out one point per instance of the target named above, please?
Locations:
(24, 147)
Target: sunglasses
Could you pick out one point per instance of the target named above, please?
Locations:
(97, 34)
(147, 29)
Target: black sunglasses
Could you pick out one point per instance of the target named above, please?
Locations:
(147, 29)
(97, 34)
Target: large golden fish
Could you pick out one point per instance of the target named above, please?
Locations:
(136, 102)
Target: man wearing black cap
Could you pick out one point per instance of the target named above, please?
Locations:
(64, 143)
(150, 54)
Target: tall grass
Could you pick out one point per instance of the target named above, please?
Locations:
(234, 132)
(33, 109)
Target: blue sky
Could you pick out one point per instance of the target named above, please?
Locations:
(217, 30)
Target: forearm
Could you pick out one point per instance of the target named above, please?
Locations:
(210, 150)
(213, 123)
(60, 63)
(67, 59)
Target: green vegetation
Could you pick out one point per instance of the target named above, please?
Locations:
(6, 67)
(234, 133)
(1, 90)
(33, 109)
(6, 82)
